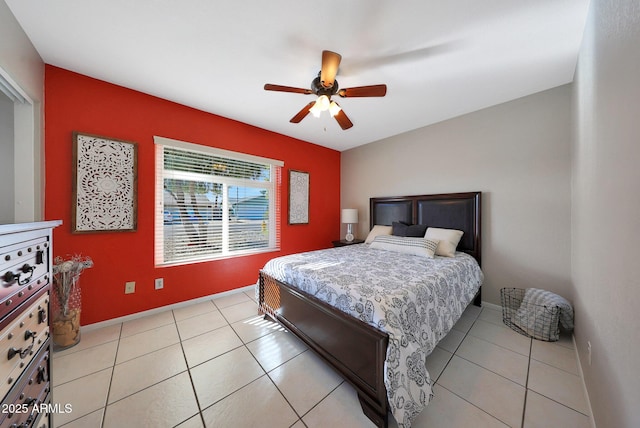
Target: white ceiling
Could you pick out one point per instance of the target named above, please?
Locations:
(439, 58)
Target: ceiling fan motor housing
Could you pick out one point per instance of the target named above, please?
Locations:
(319, 89)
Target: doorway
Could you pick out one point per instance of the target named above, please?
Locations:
(7, 180)
(21, 169)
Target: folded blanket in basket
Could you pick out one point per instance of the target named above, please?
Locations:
(539, 314)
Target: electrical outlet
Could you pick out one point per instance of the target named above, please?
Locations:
(130, 287)
(159, 283)
(589, 351)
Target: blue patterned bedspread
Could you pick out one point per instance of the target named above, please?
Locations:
(415, 300)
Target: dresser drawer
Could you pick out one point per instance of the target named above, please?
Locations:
(24, 269)
(43, 419)
(23, 403)
(22, 338)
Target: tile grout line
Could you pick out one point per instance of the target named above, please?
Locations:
(282, 393)
(550, 398)
(300, 417)
(526, 387)
(555, 367)
(113, 369)
(186, 363)
(323, 398)
(244, 345)
(497, 344)
(280, 365)
(467, 333)
(243, 386)
(473, 405)
(454, 355)
(526, 383)
(530, 356)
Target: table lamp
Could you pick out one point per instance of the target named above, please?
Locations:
(350, 217)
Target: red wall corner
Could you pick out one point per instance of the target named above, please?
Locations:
(74, 102)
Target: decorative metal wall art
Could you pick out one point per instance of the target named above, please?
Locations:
(298, 197)
(105, 184)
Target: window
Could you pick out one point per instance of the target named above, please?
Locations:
(213, 203)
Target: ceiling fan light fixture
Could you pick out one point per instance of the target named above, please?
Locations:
(334, 108)
(315, 110)
(323, 103)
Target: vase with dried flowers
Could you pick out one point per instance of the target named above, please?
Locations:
(65, 304)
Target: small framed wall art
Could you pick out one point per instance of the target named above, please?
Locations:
(298, 197)
(105, 183)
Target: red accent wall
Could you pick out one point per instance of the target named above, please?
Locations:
(74, 102)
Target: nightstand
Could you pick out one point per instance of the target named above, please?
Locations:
(342, 242)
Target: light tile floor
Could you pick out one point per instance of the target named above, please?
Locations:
(219, 364)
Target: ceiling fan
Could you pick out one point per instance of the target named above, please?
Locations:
(325, 86)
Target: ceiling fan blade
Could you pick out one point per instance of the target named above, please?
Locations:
(330, 64)
(302, 113)
(364, 91)
(343, 120)
(280, 88)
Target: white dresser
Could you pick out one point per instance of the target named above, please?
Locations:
(25, 346)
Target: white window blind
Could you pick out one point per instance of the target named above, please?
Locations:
(214, 203)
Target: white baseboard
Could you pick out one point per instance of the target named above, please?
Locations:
(106, 323)
(491, 306)
(584, 385)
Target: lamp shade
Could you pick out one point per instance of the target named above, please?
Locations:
(349, 215)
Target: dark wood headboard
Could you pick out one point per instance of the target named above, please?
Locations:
(459, 211)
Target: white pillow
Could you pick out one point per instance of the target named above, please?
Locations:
(403, 244)
(377, 231)
(448, 238)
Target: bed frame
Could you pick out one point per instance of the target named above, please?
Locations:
(353, 348)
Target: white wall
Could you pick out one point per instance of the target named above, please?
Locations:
(18, 56)
(517, 154)
(22, 63)
(6, 159)
(606, 210)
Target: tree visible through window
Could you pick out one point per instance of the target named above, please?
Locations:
(215, 205)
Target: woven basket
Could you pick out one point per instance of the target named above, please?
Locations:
(535, 321)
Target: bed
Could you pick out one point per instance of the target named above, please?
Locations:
(352, 343)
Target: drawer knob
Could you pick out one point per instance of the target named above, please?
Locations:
(39, 257)
(26, 269)
(30, 400)
(8, 276)
(42, 375)
(22, 352)
(13, 352)
(42, 316)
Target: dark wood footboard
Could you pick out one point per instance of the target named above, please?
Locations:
(477, 300)
(353, 348)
